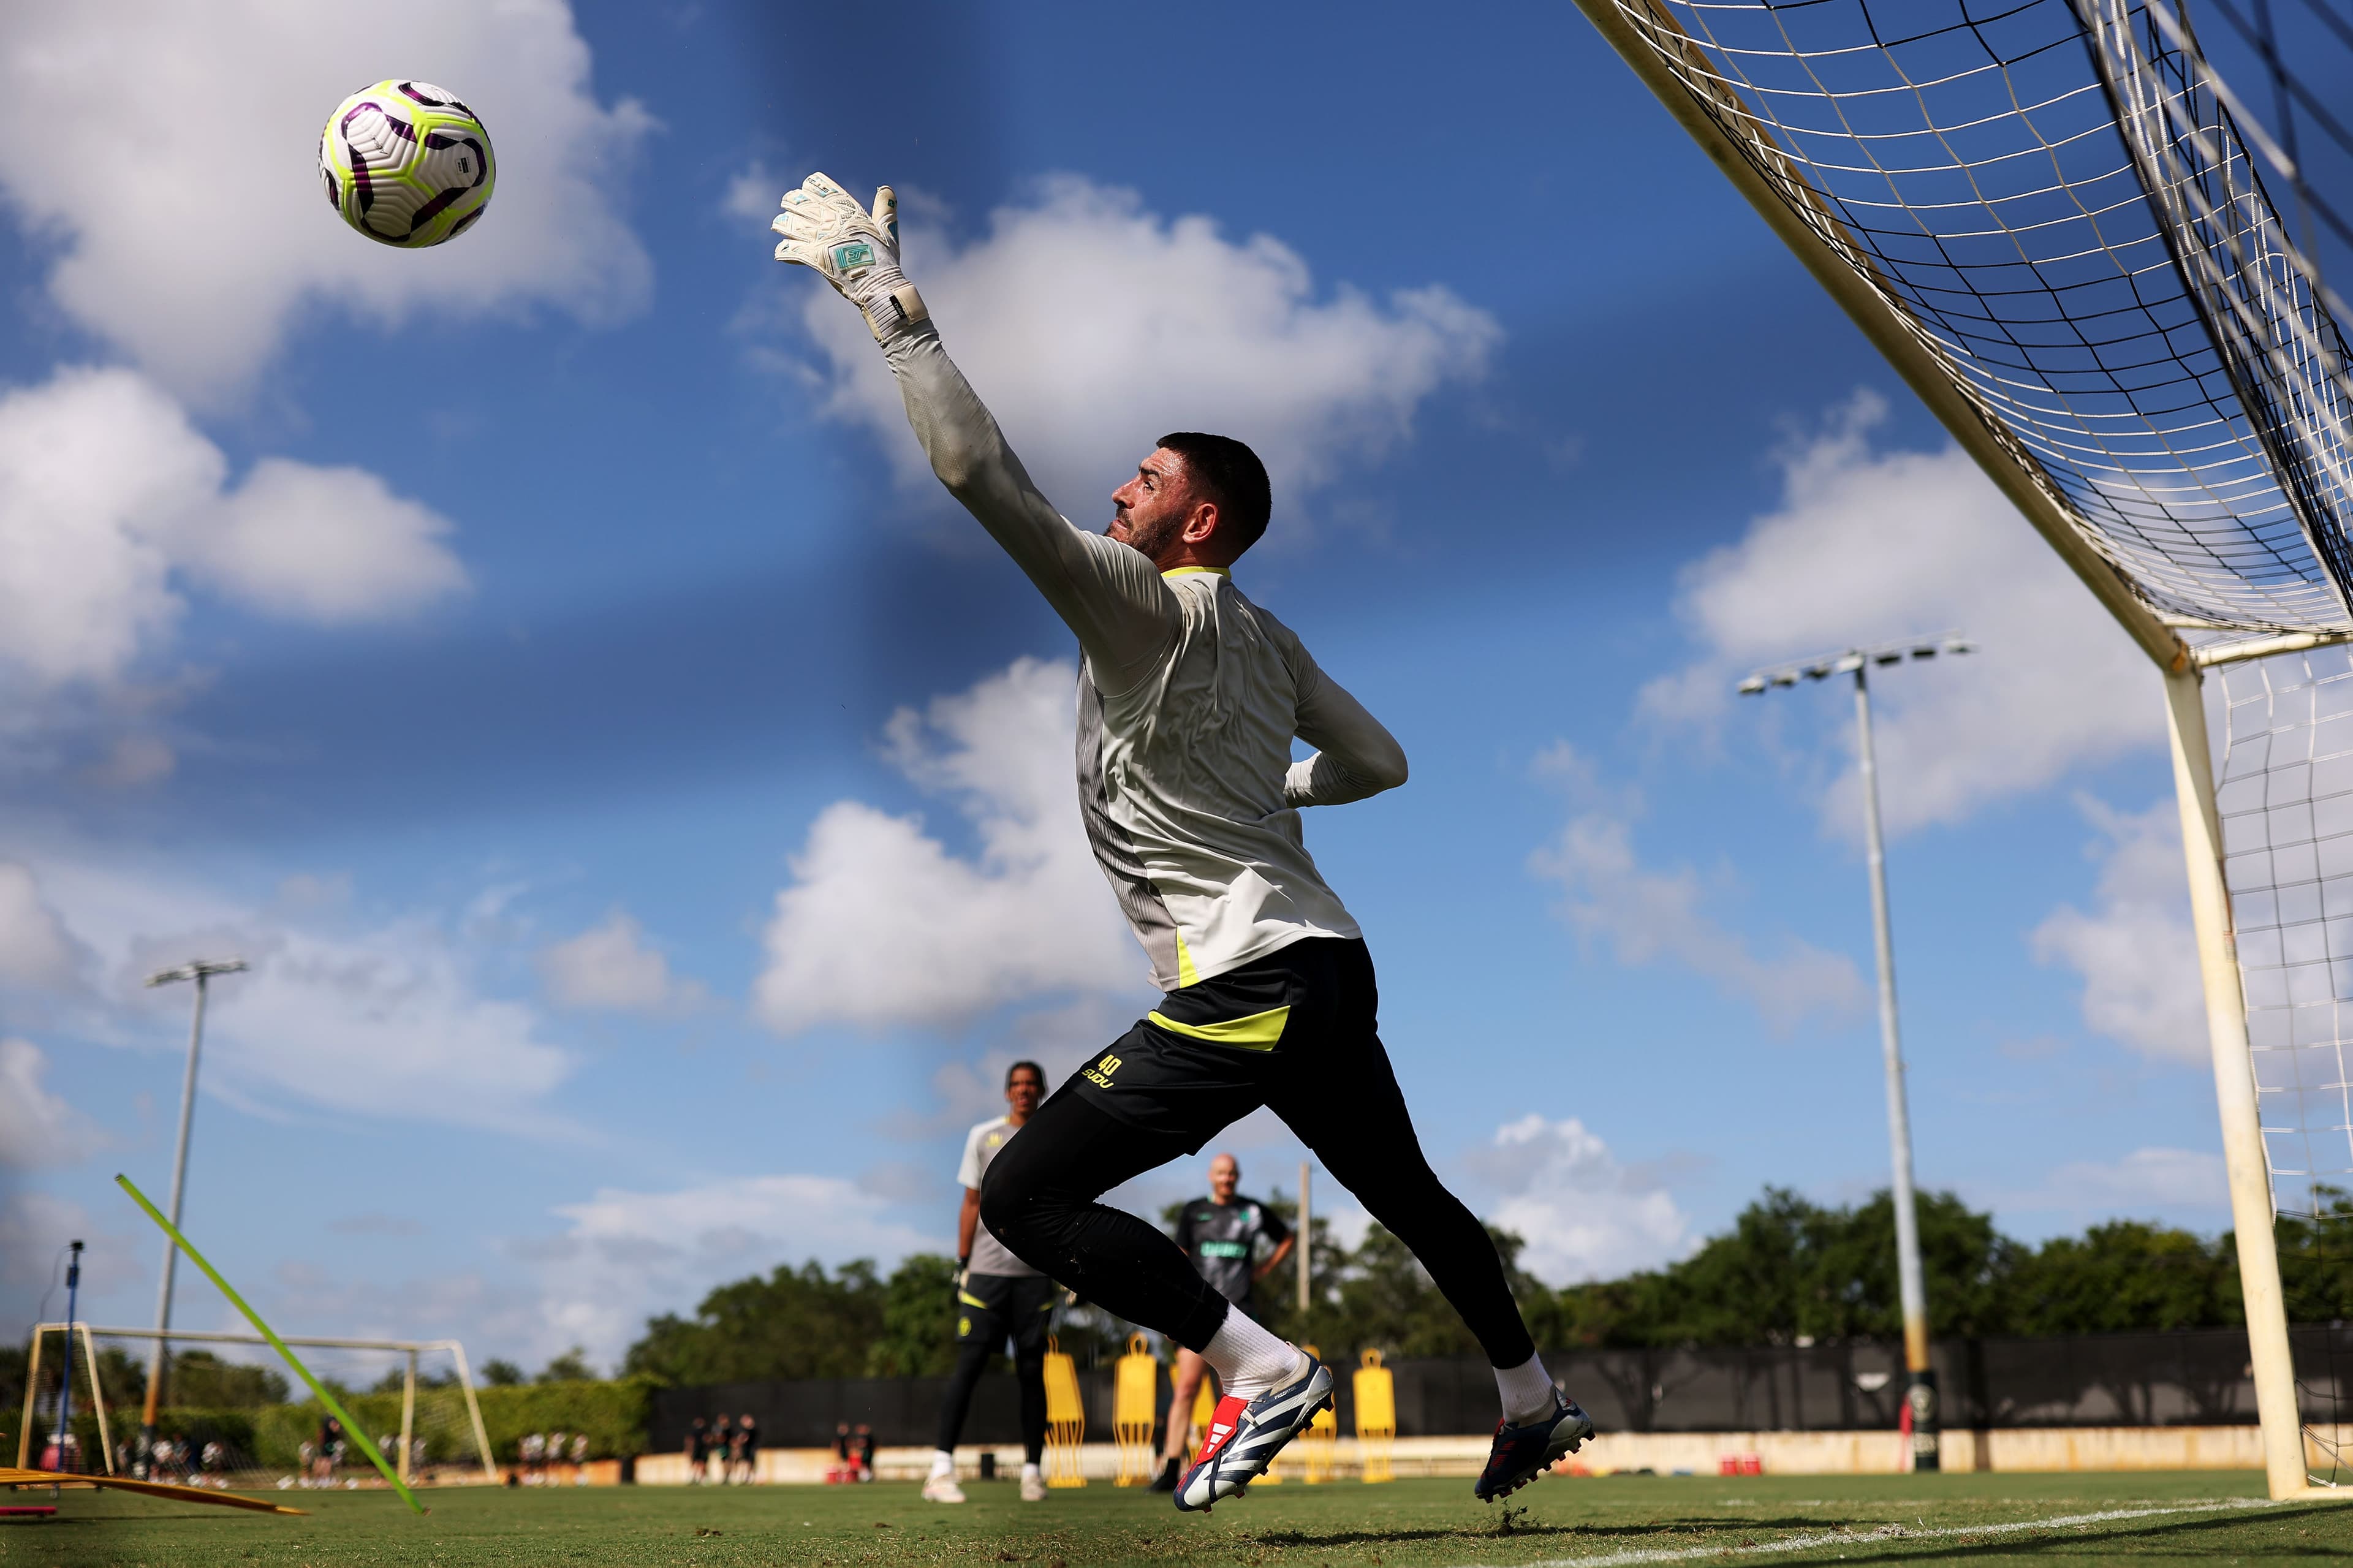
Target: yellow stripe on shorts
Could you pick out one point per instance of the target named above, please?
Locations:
(1258, 1032)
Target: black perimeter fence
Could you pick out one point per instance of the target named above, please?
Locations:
(2191, 1377)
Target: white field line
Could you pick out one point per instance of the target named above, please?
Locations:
(1887, 1532)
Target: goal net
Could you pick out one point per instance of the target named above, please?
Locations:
(227, 1412)
(2058, 222)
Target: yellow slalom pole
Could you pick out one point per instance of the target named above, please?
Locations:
(367, 1444)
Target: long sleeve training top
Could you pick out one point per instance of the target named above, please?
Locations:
(1189, 698)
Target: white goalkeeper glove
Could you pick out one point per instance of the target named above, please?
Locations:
(824, 228)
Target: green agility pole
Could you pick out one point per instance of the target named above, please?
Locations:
(367, 1445)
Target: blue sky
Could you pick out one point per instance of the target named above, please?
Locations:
(645, 799)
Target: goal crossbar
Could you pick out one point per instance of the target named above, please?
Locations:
(410, 1350)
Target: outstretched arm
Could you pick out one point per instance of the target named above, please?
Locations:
(1111, 596)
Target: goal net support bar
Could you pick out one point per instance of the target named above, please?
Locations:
(1647, 36)
(409, 1350)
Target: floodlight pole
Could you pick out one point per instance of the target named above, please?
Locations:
(1306, 1249)
(1912, 1289)
(201, 971)
(1910, 1283)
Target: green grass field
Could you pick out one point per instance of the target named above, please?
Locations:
(1619, 1520)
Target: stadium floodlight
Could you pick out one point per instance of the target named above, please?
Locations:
(200, 971)
(1910, 1283)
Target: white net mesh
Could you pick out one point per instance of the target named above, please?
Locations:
(2286, 794)
(1964, 160)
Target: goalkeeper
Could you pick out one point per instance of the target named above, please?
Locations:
(1189, 700)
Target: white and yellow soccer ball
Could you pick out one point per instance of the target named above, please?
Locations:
(407, 163)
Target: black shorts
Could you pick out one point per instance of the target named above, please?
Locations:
(1299, 1023)
(994, 1308)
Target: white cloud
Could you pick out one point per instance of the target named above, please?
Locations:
(625, 1256)
(37, 1128)
(35, 948)
(195, 255)
(1583, 1215)
(324, 546)
(1647, 916)
(385, 1020)
(1871, 547)
(884, 925)
(34, 1229)
(2144, 1181)
(755, 193)
(107, 491)
(1090, 325)
(2135, 951)
(609, 966)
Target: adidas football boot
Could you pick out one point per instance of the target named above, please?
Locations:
(1523, 1453)
(1244, 1438)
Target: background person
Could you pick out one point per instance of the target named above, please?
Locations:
(1221, 1234)
(328, 1449)
(997, 1297)
(747, 1448)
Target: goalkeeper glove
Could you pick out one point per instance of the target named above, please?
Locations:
(824, 228)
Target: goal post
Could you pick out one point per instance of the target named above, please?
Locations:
(417, 1394)
(2244, 1160)
(2132, 561)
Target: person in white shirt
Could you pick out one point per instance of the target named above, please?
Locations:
(999, 1297)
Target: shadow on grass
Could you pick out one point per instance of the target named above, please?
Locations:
(1528, 1530)
(2077, 1540)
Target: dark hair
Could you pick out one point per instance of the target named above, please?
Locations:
(1016, 1067)
(1230, 475)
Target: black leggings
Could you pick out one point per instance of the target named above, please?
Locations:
(990, 1309)
(1328, 1079)
(1029, 1371)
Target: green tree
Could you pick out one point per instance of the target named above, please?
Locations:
(501, 1374)
(2125, 1275)
(919, 1320)
(1791, 1269)
(2316, 1264)
(792, 1323)
(198, 1379)
(571, 1366)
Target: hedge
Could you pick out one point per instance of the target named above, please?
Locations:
(612, 1415)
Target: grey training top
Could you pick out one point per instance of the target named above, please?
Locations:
(989, 1256)
(1189, 699)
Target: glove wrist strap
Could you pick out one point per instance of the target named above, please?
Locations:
(895, 311)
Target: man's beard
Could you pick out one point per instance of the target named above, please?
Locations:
(1152, 538)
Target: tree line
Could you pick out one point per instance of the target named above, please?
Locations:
(1787, 1271)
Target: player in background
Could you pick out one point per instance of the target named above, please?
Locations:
(698, 1444)
(747, 1448)
(329, 1448)
(999, 1297)
(1221, 1233)
(1189, 698)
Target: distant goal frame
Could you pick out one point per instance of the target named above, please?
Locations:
(409, 1350)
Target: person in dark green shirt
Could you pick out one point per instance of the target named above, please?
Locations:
(1221, 1233)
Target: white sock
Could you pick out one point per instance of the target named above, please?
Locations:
(942, 1462)
(1527, 1391)
(1249, 1361)
(1029, 1472)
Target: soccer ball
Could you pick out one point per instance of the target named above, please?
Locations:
(407, 163)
